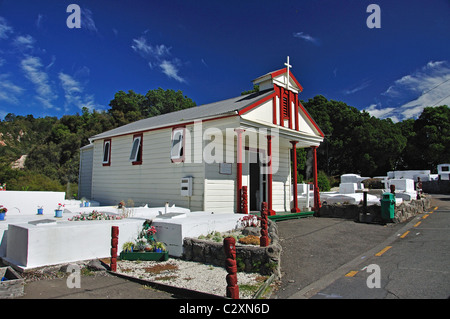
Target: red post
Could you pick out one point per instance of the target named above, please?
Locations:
(295, 209)
(316, 185)
(269, 176)
(229, 245)
(239, 168)
(264, 239)
(244, 200)
(114, 243)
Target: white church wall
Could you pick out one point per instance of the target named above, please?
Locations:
(156, 181)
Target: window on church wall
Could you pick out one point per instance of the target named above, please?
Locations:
(106, 160)
(136, 150)
(177, 145)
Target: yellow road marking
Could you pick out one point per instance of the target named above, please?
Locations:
(425, 216)
(404, 234)
(381, 252)
(417, 224)
(351, 273)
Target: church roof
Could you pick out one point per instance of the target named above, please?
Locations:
(221, 108)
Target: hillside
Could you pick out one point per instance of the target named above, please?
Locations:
(45, 151)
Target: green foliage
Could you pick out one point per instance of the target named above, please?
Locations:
(355, 142)
(323, 182)
(53, 144)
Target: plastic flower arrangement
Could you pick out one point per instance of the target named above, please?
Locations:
(249, 221)
(95, 215)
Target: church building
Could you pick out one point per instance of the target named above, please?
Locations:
(227, 156)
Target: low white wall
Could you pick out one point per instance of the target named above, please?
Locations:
(173, 231)
(31, 246)
(26, 203)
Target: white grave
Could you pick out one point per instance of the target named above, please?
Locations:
(444, 171)
(31, 241)
(171, 230)
(404, 188)
(48, 242)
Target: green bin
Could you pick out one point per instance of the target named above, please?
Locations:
(388, 206)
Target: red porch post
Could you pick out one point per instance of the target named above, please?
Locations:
(316, 185)
(239, 132)
(269, 176)
(295, 209)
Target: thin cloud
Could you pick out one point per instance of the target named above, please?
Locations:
(9, 91)
(24, 42)
(5, 29)
(34, 72)
(147, 50)
(158, 55)
(358, 88)
(307, 37)
(425, 87)
(87, 20)
(74, 92)
(380, 113)
(171, 71)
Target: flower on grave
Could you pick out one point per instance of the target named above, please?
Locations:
(249, 221)
(151, 231)
(60, 206)
(94, 215)
(3, 209)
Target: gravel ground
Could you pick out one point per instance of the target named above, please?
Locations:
(191, 275)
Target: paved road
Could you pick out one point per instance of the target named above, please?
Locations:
(325, 258)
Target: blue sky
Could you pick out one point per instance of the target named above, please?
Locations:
(212, 50)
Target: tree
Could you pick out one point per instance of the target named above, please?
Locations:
(429, 140)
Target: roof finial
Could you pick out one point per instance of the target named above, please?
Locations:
(288, 66)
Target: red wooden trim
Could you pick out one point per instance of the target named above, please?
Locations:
(239, 170)
(282, 71)
(296, 112)
(294, 209)
(281, 106)
(141, 149)
(109, 155)
(269, 176)
(310, 118)
(274, 106)
(257, 103)
(290, 100)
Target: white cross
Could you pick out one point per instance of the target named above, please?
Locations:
(287, 68)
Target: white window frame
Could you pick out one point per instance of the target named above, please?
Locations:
(135, 157)
(108, 159)
(175, 149)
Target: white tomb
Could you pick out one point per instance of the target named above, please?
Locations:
(404, 188)
(47, 242)
(171, 230)
(444, 171)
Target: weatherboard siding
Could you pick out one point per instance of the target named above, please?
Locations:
(154, 182)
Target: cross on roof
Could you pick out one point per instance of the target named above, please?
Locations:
(288, 66)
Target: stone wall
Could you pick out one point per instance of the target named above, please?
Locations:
(403, 212)
(265, 260)
(436, 187)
